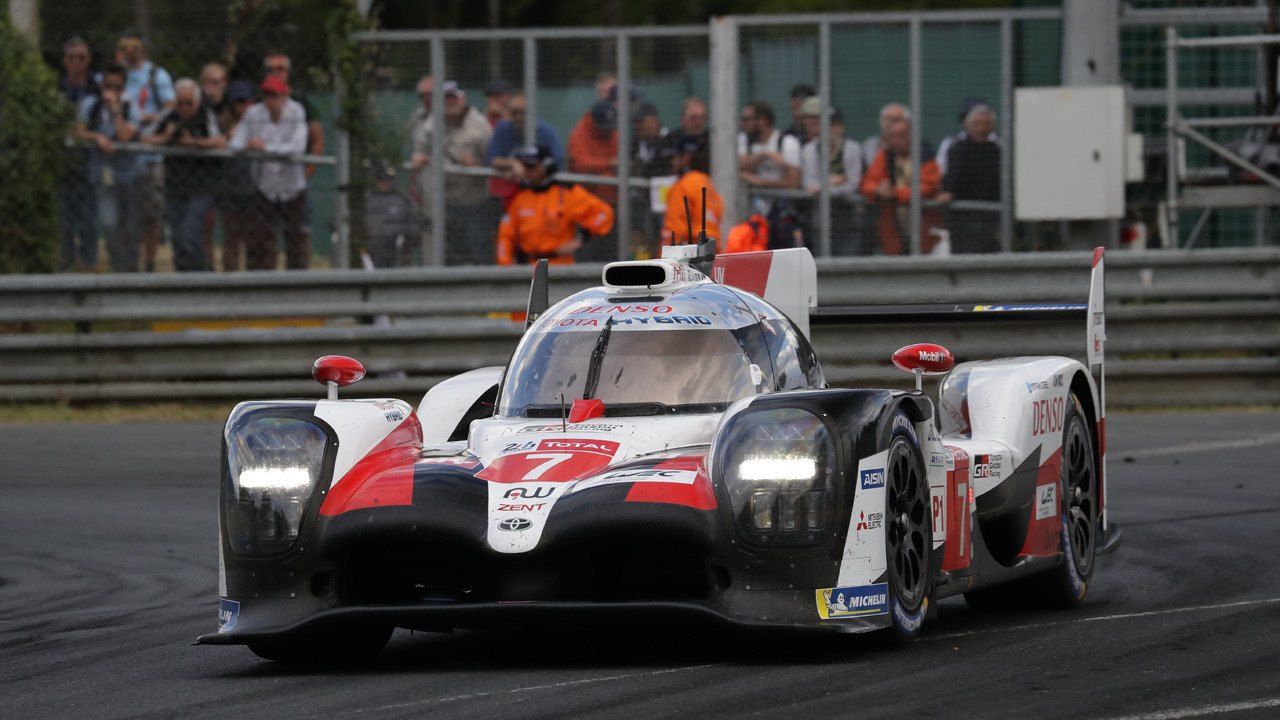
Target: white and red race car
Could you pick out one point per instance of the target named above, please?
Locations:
(666, 445)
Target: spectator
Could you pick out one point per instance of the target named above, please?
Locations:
(104, 119)
(845, 170)
(497, 102)
(767, 159)
(213, 88)
(945, 145)
(235, 198)
(79, 223)
(606, 83)
(975, 175)
(844, 173)
(390, 220)
(276, 125)
(799, 93)
(277, 63)
(887, 185)
(891, 115)
(466, 140)
(149, 89)
(189, 181)
(692, 162)
(420, 114)
(593, 147)
(545, 216)
(693, 121)
(508, 137)
(649, 148)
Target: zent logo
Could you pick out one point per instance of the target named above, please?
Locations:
(871, 479)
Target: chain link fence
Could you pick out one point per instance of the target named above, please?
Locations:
(868, 110)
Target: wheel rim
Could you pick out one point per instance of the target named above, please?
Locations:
(1081, 496)
(908, 523)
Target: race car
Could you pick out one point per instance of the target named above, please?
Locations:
(664, 446)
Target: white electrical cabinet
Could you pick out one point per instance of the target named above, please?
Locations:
(1070, 153)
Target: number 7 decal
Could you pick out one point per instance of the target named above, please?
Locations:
(552, 459)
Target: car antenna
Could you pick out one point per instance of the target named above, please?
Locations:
(564, 423)
(702, 236)
(688, 220)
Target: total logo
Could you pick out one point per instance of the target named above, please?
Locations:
(515, 524)
(871, 479)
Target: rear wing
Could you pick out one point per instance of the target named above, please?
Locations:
(786, 279)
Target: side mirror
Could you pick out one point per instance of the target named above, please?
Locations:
(335, 371)
(924, 358)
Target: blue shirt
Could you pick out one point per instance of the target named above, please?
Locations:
(507, 139)
(139, 92)
(124, 165)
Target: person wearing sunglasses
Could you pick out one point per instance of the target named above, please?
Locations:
(189, 180)
(546, 219)
(78, 218)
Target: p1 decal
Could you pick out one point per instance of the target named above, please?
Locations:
(847, 602)
(228, 614)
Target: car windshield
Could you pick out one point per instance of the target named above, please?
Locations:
(667, 370)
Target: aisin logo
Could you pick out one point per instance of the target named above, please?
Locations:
(515, 523)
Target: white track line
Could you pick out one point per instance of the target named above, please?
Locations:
(1121, 616)
(1194, 447)
(530, 688)
(1204, 710)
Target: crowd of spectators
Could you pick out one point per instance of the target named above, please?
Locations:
(197, 159)
(186, 156)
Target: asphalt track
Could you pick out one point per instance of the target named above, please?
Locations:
(108, 562)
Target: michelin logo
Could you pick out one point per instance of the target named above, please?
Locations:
(871, 479)
(228, 614)
(860, 601)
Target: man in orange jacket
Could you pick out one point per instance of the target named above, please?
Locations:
(544, 216)
(692, 162)
(887, 186)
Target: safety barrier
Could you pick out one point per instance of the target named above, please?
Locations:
(1185, 329)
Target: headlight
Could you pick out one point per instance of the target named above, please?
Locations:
(778, 465)
(273, 465)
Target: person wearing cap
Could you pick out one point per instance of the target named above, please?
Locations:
(508, 138)
(844, 173)
(799, 93)
(466, 139)
(497, 102)
(593, 146)
(391, 220)
(944, 147)
(692, 162)
(277, 63)
(149, 90)
(277, 125)
(189, 180)
(235, 194)
(544, 218)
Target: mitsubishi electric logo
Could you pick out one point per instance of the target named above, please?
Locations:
(515, 524)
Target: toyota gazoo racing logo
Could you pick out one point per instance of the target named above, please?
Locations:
(515, 524)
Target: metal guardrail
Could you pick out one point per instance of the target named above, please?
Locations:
(1185, 328)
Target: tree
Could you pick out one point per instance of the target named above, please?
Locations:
(33, 123)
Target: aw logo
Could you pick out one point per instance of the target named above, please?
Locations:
(872, 479)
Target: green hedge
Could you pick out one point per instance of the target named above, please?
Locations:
(33, 122)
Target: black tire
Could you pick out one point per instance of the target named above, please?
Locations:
(908, 534)
(1066, 584)
(337, 645)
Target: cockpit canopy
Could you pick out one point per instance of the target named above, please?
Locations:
(697, 348)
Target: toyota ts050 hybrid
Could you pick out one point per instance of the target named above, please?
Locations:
(664, 446)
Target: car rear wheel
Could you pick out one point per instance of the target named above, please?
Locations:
(336, 645)
(1078, 492)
